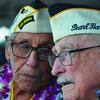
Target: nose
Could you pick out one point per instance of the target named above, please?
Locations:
(58, 68)
(32, 60)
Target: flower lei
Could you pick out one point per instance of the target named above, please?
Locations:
(47, 93)
(5, 78)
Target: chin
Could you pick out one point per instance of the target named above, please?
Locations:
(28, 88)
(31, 87)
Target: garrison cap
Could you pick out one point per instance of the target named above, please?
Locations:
(71, 17)
(34, 19)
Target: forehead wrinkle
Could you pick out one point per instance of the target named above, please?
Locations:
(27, 40)
(74, 42)
(22, 37)
(31, 38)
(43, 41)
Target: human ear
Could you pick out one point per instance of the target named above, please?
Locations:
(7, 52)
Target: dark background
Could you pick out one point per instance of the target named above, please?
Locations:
(8, 11)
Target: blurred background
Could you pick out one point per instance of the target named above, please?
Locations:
(8, 11)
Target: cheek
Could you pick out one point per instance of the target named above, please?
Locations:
(18, 64)
(87, 71)
(80, 62)
(78, 69)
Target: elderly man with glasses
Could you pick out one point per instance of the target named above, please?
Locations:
(27, 47)
(75, 57)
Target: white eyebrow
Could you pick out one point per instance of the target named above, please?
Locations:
(63, 47)
(66, 46)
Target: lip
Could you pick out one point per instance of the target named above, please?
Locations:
(67, 83)
(29, 75)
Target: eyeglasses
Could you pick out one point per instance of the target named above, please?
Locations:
(22, 50)
(65, 56)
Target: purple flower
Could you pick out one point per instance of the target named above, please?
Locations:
(5, 79)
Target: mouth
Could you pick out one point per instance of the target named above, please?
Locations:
(63, 80)
(66, 83)
(29, 76)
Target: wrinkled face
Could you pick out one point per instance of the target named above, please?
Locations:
(81, 68)
(30, 73)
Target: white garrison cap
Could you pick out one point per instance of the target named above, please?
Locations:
(69, 20)
(31, 20)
